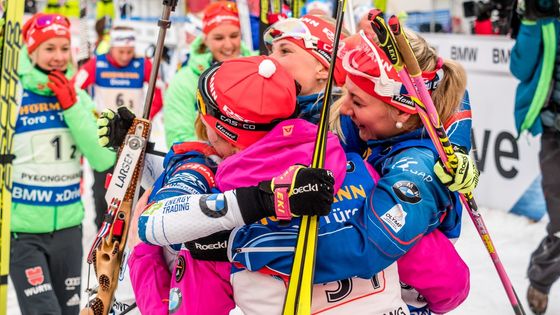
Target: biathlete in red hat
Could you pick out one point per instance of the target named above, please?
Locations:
(55, 127)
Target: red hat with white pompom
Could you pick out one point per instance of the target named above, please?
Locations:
(243, 99)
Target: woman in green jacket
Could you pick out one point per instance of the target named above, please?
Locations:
(55, 127)
(220, 41)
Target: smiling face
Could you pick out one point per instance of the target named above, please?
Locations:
(305, 68)
(375, 119)
(52, 54)
(122, 55)
(224, 42)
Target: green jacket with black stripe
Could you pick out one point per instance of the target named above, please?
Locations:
(49, 144)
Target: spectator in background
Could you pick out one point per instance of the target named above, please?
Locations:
(220, 41)
(535, 61)
(118, 79)
(102, 27)
(319, 7)
(46, 232)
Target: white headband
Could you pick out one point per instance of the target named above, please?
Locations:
(123, 38)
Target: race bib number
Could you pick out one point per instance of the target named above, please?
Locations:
(334, 294)
(113, 98)
(53, 147)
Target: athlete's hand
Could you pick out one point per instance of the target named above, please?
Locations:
(466, 176)
(298, 191)
(113, 127)
(308, 190)
(63, 89)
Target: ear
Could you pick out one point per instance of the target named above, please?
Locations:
(321, 73)
(402, 116)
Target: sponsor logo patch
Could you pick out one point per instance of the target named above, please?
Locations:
(35, 275)
(74, 300)
(72, 283)
(407, 191)
(287, 130)
(225, 132)
(395, 217)
(213, 205)
(180, 268)
(175, 299)
(350, 167)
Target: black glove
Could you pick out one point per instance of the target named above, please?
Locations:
(113, 127)
(212, 247)
(307, 191)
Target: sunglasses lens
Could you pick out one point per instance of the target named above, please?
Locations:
(286, 28)
(46, 20)
(200, 103)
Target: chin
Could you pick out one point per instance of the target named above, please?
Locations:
(61, 69)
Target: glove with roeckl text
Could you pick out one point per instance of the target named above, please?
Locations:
(298, 191)
(466, 176)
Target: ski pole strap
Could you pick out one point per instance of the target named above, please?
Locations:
(6, 159)
(281, 187)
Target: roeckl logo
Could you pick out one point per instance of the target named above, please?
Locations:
(217, 245)
(306, 188)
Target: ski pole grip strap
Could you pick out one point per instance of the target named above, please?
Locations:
(281, 187)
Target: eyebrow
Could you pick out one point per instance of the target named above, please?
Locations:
(355, 96)
(284, 44)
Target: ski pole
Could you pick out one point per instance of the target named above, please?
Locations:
(432, 123)
(10, 47)
(300, 286)
(108, 248)
(84, 48)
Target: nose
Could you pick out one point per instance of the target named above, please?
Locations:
(60, 55)
(228, 43)
(345, 108)
(274, 54)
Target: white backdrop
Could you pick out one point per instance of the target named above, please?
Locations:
(508, 166)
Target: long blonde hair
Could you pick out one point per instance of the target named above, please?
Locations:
(451, 89)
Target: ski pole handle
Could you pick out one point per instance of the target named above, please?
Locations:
(449, 158)
(385, 37)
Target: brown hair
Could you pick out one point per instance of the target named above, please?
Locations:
(200, 129)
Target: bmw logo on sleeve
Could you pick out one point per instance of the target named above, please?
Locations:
(407, 191)
(213, 205)
(175, 299)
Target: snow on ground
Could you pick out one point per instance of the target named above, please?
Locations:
(514, 237)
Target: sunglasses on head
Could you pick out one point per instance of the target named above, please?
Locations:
(50, 19)
(290, 28)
